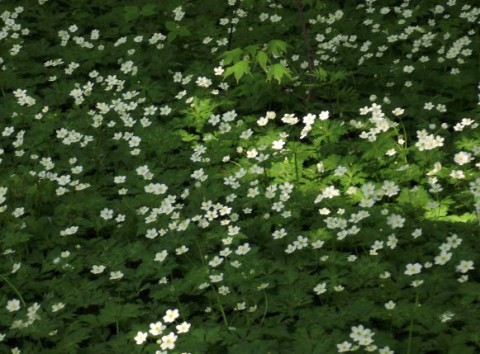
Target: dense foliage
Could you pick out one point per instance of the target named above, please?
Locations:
(239, 176)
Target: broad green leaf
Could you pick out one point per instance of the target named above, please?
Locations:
(232, 56)
(262, 59)
(131, 13)
(238, 70)
(277, 47)
(251, 49)
(277, 72)
(149, 10)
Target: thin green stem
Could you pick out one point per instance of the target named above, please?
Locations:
(219, 302)
(296, 165)
(410, 326)
(15, 290)
(220, 306)
(266, 308)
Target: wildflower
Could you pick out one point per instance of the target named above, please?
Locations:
(183, 327)
(344, 347)
(412, 269)
(390, 305)
(395, 221)
(170, 316)
(116, 275)
(140, 337)
(97, 269)
(13, 305)
(168, 341)
(446, 316)
(278, 144)
(464, 266)
(243, 249)
(320, 288)
(462, 158)
(57, 307)
(157, 328)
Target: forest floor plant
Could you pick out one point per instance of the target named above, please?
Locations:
(239, 177)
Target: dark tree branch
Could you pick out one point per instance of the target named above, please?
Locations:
(306, 41)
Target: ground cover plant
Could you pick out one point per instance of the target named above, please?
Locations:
(239, 176)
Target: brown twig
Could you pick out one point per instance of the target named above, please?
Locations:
(308, 46)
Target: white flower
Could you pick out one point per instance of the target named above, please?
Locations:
(462, 158)
(216, 278)
(181, 250)
(320, 288)
(443, 258)
(412, 269)
(203, 82)
(157, 328)
(97, 269)
(116, 275)
(170, 316)
(141, 337)
(183, 327)
(446, 316)
(106, 214)
(13, 305)
(57, 307)
(344, 347)
(309, 119)
(324, 115)
(243, 249)
(390, 305)
(395, 221)
(464, 266)
(278, 144)
(168, 341)
(160, 256)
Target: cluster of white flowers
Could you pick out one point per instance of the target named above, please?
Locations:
(23, 99)
(428, 141)
(362, 337)
(380, 122)
(167, 341)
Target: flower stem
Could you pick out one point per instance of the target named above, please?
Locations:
(15, 290)
(410, 327)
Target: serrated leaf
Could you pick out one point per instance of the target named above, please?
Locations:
(277, 47)
(262, 59)
(238, 70)
(251, 49)
(277, 72)
(232, 56)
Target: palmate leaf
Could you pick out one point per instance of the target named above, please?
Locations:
(262, 60)
(231, 56)
(112, 312)
(238, 70)
(277, 47)
(278, 72)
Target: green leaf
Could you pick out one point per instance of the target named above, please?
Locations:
(232, 56)
(149, 10)
(238, 70)
(278, 71)
(131, 13)
(171, 26)
(262, 59)
(251, 49)
(277, 47)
